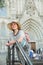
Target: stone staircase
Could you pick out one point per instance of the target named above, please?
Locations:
(3, 60)
(37, 62)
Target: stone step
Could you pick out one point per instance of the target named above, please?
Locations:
(37, 62)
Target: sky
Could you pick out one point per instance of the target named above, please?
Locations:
(3, 12)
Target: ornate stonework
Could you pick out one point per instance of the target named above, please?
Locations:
(30, 7)
(27, 12)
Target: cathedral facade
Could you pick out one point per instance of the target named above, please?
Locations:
(30, 14)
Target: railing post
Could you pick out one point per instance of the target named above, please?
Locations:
(13, 55)
(9, 55)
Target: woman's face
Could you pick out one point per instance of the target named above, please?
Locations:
(14, 26)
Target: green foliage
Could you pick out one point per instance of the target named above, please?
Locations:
(2, 3)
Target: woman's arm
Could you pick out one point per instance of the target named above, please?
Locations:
(14, 41)
(22, 35)
(20, 39)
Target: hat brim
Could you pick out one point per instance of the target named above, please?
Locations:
(9, 25)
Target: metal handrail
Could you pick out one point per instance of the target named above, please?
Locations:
(26, 58)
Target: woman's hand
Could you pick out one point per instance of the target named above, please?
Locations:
(7, 44)
(11, 43)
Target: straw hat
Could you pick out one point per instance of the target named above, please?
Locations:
(9, 25)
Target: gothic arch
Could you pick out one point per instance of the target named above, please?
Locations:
(33, 25)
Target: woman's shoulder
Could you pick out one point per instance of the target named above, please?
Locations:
(21, 31)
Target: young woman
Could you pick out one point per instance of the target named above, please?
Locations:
(17, 35)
